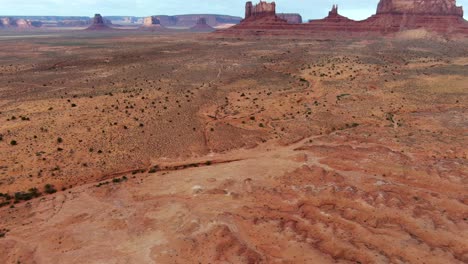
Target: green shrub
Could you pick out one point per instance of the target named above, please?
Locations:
(50, 189)
(154, 169)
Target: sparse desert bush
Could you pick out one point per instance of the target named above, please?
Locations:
(50, 189)
(26, 196)
(13, 143)
(154, 169)
(102, 183)
(3, 233)
(119, 180)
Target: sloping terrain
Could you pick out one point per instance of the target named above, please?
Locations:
(184, 149)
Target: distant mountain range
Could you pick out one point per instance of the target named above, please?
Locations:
(187, 20)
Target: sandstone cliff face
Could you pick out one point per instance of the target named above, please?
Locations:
(261, 9)
(425, 7)
(291, 18)
(21, 23)
(150, 21)
(392, 16)
(191, 20)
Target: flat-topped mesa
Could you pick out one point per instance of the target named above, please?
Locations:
(434, 15)
(20, 23)
(442, 16)
(420, 7)
(151, 21)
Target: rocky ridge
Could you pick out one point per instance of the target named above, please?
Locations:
(392, 16)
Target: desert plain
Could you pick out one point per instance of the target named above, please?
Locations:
(204, 148)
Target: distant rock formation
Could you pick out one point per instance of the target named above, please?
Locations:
(18, 23)
(188, 21)
(433, 15)
(333, 17)
(152, 23)
(74, 23)
(392, 16)
(261, 9)
(290, 18)
(98, 23)
(426, 7)
(202, 26)
(262, 15)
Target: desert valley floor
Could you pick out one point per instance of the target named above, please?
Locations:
(144, 148)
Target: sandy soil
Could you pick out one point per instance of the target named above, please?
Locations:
(209, 149)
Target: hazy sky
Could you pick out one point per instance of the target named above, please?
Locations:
(356, 9)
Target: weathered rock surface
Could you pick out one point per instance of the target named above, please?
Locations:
(191, 20)
(426, 7)
(98, 23)
(291, 18)
(152, 23)
(261, 9)
(202, 26)
(8, 22)
(392, 16)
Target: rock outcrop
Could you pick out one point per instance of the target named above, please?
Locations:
(392, 16)
(261, 16)
(259, 10)
(432, 15)
(152, 23)
(202, 26)
(98, 23)
(188, 21)
(291, 18)
(20, 23)
(426, 7)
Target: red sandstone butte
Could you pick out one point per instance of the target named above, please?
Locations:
(98, 23)
(392, 16)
